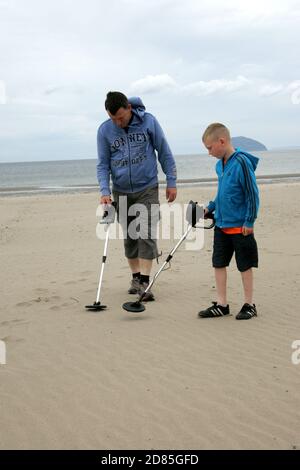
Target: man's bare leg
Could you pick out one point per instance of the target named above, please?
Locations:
(134, 264)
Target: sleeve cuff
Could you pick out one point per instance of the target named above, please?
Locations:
(248, 224)
(105, 192)
(211, 206)
(171, 182)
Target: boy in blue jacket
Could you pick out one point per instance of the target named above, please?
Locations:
(127, 146)
(235, 209)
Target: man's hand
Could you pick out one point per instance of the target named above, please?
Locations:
(171, 194)
(247, 230)
(105, 200)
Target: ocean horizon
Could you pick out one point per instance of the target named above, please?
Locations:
(54, 176)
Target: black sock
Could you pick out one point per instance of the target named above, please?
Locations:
(144, 278)
(136, 275)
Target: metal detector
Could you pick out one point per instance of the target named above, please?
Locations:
(108, 218)
(193, 214)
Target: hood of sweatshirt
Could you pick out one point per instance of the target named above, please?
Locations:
(252, 159)
(138, 107)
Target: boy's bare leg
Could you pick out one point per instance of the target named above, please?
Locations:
(221, 283)
(247, 278)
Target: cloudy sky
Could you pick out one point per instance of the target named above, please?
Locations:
(192, 62)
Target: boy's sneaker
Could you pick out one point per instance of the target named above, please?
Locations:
(134, 286)
(247, 311)
(149, 294)
(214, 311)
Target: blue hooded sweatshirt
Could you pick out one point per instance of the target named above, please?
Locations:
(237, 200)
(129, 158)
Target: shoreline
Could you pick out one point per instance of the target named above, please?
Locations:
(88, 188)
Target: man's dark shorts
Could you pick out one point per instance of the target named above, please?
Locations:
(145, 245)
(244, 247)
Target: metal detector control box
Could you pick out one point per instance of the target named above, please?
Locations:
(109, 214)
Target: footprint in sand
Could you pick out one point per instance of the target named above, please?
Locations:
(13, 339)
(23, 304)
(55, 308)
(69, 283)
(16, 320)
(37, 300)
(39, 290)
(55, 297)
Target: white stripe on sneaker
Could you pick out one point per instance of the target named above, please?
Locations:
(222, 311)
(218, 312)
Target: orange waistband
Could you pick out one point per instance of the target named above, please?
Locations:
(232, 230)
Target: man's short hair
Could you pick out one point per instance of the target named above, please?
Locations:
(215, 131)
(114, 101)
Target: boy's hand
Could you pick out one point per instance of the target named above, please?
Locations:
(171, 194)
(247, 230)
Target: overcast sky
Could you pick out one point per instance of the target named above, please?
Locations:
(192, 62)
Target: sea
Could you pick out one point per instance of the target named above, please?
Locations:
(61, 176)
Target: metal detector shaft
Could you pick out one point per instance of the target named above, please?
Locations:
(103, 263)
(168, 259)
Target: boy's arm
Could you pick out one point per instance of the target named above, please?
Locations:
(103, 165)
(211, 206)
(248, 182)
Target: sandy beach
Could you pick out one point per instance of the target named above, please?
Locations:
(162, 379)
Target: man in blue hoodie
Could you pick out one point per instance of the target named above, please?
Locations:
(235, 209)
(127, 146)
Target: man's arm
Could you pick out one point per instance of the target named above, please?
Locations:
(103, 165)
(166, 159)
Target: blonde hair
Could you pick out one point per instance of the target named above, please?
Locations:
(215, 131)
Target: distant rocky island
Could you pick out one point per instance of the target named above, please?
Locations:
(245, 143)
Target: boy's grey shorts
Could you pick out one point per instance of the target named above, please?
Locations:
(139, 222)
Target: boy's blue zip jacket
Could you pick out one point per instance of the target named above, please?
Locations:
(237, 200)
(129, 157)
